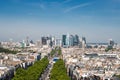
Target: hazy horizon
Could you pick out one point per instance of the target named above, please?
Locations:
(97, 20)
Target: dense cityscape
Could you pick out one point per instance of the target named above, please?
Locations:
(59, 39)
(67, 58)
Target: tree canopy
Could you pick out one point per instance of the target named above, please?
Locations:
(33, 72)
(56, 51)
(7, 51)
(59, 72)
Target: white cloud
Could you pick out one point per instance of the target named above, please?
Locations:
(67, 1)
(58, 3)
(39, 5)
(77, 6)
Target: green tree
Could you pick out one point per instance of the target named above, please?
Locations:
(33, 72)
(59, 71)
(7, 51)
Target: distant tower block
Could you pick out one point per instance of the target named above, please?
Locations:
(27, 41)
(111, 43)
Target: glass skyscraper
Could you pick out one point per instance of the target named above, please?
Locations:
(64, 40)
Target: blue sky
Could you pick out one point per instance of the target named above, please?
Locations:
(97, 20)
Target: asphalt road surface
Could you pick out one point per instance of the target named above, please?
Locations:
(46, 73)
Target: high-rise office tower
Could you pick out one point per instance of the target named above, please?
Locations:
(52, 43)
(64, 40)
(44, 40)
(111, 43)
(71, 40)
(27, 41)
(58, 42)
(23, 44)
(83, 41)
(47, 41)
(68, 40)
(31, 42)
(76, 40)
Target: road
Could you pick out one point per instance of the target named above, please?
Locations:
(46, 73)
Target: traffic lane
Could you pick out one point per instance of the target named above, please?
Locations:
(46, 72)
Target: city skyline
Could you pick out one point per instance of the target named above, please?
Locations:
(97, 20)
